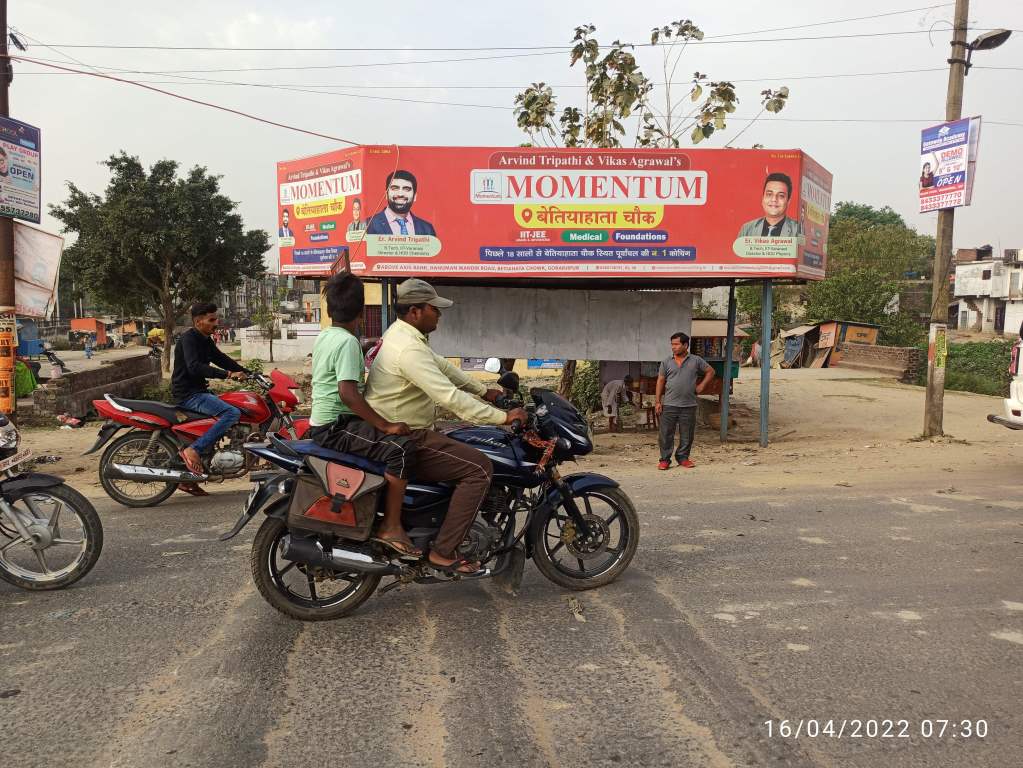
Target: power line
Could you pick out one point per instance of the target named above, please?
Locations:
(476, 106)
(185, 98)
(418, 86)
(561, 47)
(458, 60)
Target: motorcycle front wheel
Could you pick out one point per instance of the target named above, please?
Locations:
(303, 593)
(64, 543)
(579, 562)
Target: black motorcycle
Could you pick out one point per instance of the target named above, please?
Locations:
(581, 529)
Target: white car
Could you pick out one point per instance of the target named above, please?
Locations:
(1013, 404)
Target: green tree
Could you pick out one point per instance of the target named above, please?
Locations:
(860, 295)
(618, 107)
(866, 214)
(265, 316)
(156, 241)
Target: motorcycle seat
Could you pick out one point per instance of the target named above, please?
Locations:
(175, 414)
(309, 448)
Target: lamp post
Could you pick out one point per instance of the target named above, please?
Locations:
(959, 67)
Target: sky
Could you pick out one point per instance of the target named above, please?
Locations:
(875, 160)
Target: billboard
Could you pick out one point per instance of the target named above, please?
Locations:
(19, 170)
(948, 158)
(36, 265)
(490, 212)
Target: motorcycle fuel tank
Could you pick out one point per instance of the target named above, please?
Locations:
(504, 451)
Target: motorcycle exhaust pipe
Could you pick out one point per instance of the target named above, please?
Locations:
(311, 552)
(144, 474)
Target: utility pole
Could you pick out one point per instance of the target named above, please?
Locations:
(6, 222)
(935, 401)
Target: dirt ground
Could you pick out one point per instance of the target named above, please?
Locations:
(825, 432)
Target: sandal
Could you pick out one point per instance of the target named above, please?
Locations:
(400, 548)
(461, 567)
(189, 464)
(192, 489)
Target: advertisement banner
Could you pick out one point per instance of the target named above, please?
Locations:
(19, 170)
(36, 264)
(486, 212)
(948, 157)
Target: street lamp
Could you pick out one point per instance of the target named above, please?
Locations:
(985, 42)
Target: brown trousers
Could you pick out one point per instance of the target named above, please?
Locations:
(439, 458)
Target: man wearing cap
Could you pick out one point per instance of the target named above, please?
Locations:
(406, 382)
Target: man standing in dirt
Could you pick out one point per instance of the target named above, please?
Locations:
(680, 379)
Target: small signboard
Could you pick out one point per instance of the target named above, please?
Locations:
(19, 170)
(948, 160)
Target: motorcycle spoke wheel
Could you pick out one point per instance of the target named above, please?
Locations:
(135, 449)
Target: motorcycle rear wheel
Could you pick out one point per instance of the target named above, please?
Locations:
(575, 564)
(269, 571)
(133, 448)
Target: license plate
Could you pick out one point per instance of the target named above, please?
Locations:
(16, 459)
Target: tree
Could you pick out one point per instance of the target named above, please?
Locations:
(158, 242)
(265, 316)
(866, 214)
(863, 237)
(860, 296)
(617, 92)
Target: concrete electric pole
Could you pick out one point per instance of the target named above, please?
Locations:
(6, 222)
(959, 67)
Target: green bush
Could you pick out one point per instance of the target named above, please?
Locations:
(586, 387)
(979, 366)
(161, 393)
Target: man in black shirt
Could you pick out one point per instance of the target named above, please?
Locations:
(193, 354)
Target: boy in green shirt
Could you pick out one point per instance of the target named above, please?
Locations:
(343, 421)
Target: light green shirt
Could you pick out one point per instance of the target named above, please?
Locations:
(407, 379)
(337, 356)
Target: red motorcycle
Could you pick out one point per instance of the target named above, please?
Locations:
(142, 468)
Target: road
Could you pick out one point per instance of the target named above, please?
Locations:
(888, 601)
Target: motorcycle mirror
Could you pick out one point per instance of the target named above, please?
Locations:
(493, 365)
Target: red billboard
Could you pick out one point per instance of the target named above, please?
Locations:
(485, 212)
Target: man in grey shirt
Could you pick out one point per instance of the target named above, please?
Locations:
(680, 379)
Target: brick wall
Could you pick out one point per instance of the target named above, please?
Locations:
(74, 392)
(904, 362)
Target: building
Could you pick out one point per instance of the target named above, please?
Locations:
(278, 293)
(988, 291)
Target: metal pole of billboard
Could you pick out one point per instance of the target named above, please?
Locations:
(385, 300)
(765, 359)
(726, 384)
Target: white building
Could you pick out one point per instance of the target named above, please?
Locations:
(989, 294)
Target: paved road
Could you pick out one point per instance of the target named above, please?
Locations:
(888, 603)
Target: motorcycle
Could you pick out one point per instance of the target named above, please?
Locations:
(50, 535)
(142, 468)
(1013, 404)
(581, 530)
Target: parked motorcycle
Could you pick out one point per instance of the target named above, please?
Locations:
(50, 535)
(1013, 405)
(142, 468)
(581, 530)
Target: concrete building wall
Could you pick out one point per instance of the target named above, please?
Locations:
(564, 323)
(1013, 318)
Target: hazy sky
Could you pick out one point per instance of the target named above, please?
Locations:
(85, 119)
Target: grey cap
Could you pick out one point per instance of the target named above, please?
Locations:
(416, 291)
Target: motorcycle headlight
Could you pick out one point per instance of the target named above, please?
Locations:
(9, 436)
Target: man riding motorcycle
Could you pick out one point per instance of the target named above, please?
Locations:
(407, 379)
(193, 355)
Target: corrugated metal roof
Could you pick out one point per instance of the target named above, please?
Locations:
(714, 328)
